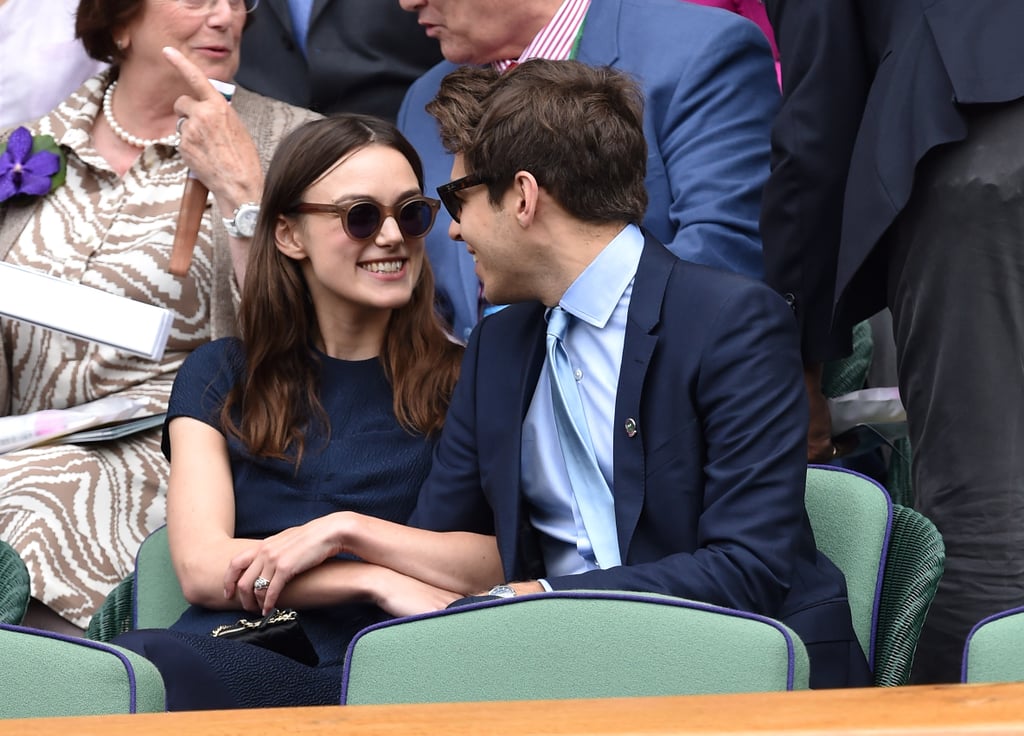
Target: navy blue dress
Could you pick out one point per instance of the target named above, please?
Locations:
(367, 463)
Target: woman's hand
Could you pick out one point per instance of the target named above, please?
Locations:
(279, 559)
(214, 143)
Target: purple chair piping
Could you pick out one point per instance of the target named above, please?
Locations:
(883, 557)
(974, 629)
(89, 644)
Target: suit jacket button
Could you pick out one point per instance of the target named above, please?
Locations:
(631, 427)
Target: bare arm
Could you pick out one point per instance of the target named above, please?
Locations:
(461, 561)
(201, 512)
(451, 561)
(344, 580)
(200, 517)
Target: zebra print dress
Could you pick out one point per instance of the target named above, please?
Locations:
(77, 514)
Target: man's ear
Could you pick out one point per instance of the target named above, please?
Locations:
(526, 191)
(288, 237)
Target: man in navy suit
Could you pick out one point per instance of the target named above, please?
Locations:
(690, 377)
(334, 55)
(898, 182)
(711, 93)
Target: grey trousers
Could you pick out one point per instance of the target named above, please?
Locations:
(956, 292)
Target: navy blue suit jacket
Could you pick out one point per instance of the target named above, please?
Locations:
(711, 93)
(709, 493)
(362, 55)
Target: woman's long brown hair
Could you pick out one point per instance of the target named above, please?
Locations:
(279, 395)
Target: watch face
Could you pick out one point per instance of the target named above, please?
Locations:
(245, 219)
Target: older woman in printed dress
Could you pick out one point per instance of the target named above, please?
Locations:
(76, 514)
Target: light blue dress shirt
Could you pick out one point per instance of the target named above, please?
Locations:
(599, 299)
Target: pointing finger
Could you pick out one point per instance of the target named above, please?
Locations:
(193, 75)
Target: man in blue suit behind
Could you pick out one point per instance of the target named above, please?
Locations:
(711, 94)
(690, 377)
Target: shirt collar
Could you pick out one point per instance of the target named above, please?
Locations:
(70, 123)
(555, 40)
(595, 293)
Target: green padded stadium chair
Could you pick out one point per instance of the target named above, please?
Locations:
(995, 649)
(43, 674)
(14, 586)
(571, 644)
(892, 558)
(149, 598)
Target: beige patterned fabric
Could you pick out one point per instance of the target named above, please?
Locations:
(77, 514)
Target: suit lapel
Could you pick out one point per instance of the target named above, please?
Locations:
(318, 8)
(649, 286)
(507, 385)
(284, 15)
(600, 43)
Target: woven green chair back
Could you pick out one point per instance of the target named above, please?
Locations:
(149, 598)
(572, 645)
(850, 373)
(892, 557)
(43, 674)
(115, 615)
(14, 586)
(913, 568)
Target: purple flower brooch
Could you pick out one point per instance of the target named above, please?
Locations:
(30, 166)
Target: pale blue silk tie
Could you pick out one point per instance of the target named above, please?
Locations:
(300, 12)
(593, 496)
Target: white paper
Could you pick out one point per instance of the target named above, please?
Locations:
(867, 406)
(84, 312)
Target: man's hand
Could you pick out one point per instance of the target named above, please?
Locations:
(401, 595)
(820, 448)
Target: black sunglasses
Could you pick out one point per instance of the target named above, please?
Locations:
(449, 193)
(364, 218)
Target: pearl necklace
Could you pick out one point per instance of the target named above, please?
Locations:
(131, 140)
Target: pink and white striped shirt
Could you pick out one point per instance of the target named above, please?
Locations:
(556, 39)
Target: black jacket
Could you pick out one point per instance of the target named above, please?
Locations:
(870, 86)
(362, 55)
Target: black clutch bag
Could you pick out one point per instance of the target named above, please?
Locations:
(279, 631)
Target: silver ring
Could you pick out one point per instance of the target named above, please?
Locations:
(260, 583)
(177, 125)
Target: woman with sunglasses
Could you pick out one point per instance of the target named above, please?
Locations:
(330, 401)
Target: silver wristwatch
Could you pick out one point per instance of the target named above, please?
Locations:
(243, 223)
(502, 591)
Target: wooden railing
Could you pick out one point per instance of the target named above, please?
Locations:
(941, 709)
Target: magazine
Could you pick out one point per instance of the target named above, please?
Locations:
(103, 419)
